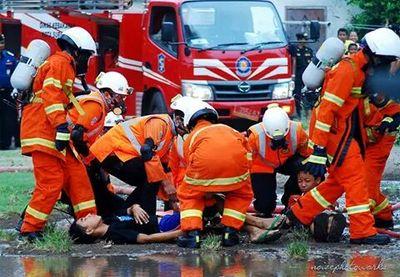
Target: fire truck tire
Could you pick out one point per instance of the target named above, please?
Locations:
(155, 104)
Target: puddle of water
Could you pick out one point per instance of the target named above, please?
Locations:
(193, 265)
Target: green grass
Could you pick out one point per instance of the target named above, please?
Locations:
(54, 240)
(211, 243)
(15, 191)
(298, 244)
(7, 236)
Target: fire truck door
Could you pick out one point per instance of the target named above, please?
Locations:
(11, 29)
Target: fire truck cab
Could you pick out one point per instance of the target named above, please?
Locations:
(231, 53)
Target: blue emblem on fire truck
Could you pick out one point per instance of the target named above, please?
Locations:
(243, 66)
(161, 63)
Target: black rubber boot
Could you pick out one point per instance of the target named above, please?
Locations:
(189, 240)
(32, 236)
(385, 224)
(230, 237)
(379, 239)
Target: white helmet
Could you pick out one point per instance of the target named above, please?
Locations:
(114, 81)
(192, 108)
(275, 122)
(112, 119)
(78, 38)
(383, 42)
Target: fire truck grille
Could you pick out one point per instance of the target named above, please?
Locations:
(225, 91)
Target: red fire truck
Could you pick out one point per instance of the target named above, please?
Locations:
(231, 53)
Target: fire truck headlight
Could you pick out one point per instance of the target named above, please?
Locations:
(203, 92)
(283, 90)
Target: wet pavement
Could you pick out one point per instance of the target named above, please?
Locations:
(206, 264)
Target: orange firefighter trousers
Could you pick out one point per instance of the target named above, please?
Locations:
(236, 200)
(348, 178)
(375, 160)
(53, 175)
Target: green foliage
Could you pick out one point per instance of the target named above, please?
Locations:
(298, 244)
(54, 240)
(379, 12)
(15, 188)
(211, 243)
(7, 236)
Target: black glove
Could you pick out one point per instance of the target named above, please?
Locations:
(316, 163)
(77, 138)
(389, 124)
(147, 149)
(279, 144)
(62, 136)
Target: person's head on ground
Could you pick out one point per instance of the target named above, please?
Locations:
(2, 42)
(352, 48)
(115, 88)
(343, 34)
(86, 229)
(353, 36)
(276, 124)
(80, 45)
(192, 110)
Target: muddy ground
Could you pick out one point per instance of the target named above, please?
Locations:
(276, 250)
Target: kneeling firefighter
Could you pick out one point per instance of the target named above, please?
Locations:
(336, 137)
(218, 160)
(136, 152)
(45, 134)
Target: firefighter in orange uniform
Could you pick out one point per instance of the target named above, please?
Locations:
(136, 152)
(337, 140)
(278, 144)
(217, 161)
(45, 135)
(382, 121)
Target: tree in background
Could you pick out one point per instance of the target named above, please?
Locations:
(377, 12)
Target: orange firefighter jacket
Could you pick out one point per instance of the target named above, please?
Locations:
(176, 160)
(218, 158)
(52, 92)
(93, 120)
(337, 117)
(373, 117)
(266, 160)
(125, 140)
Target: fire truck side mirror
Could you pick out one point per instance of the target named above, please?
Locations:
(167, 31)
(315, 29)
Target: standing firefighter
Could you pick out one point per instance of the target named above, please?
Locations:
(217, 161)
(45, 135)
(337, 140)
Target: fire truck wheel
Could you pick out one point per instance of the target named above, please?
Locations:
(155, 104)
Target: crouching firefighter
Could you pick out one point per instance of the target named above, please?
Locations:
(278, 145)
(217, 160)
(88, 127)
(136, 152)
(45, 134)
(338, 142)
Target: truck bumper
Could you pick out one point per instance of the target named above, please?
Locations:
(253, 110)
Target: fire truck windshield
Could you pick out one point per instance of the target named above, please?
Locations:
(232, 25)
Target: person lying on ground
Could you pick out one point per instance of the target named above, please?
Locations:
(119, 230)
(260, 230)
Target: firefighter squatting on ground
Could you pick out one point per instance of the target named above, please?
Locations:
(203, 169)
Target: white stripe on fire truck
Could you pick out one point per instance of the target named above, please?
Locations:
(200, 71)
(213, 63)
(268, 63)
(36, 22)
(276, 71)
